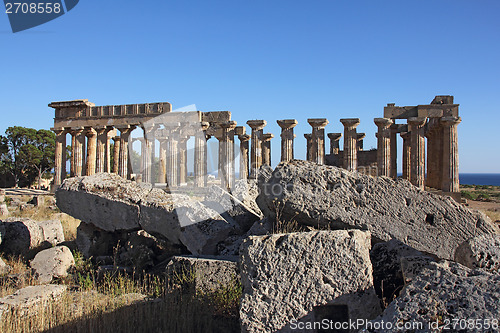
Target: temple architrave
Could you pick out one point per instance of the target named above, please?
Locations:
(428, 134)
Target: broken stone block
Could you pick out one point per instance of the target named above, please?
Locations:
(331, 197)
(112, 203)
(23, 236)
(480, 252)
(29, 297)
(287, 277)
(4, 211)
(205, 274)
(53, 232)
(52, 263)
(247, 191)
(444, 292)
(226, 204)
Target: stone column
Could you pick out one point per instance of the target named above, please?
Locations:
(78, 150)
(227, 156)
(162, 172)
(359, 141)
(334, 142)
(350, 149)
(244, 172)
(393, 151)
(183, 159)
(147, 152)
(172, 154)
(101, 150)
(72, 157)
(287, 137)
(417, 176)
(123, 163)
(91, 151)
(107, 165)
(116, 154)
(266, 148)
(383, 146)
(256, 148)
(60, 156)
(406, 155)
(200, 157)
(318, 139)
(450, 154)
(308, 137)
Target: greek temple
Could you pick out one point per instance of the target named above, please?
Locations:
(428, 132)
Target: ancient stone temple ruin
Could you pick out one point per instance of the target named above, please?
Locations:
(93, 127)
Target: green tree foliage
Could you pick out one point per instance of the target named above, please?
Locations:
(26, 153)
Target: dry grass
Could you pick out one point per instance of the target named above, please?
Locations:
(117, 302)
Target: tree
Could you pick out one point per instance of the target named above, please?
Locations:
(26, 153)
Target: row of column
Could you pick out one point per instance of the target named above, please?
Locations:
(90, 151)
(442, 150)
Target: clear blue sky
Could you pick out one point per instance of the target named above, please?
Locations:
(268, 60)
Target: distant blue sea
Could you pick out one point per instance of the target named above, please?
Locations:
(480, 179)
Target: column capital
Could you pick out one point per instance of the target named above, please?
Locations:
(204, 125)
(125, 128)
(267, 137)
(360, 136)
(383, 123)
(417, 121)
(90, 132)
(405, 135)
(334, 136)
(307, 136)
(318, 122)
(350, 123)
(240, 130)
(450, 121)
(59, 131)
(102, 129)
(257, 124)
(77, 130)
(287, 123)
(228, 124)
(244, 137)
(116, 138)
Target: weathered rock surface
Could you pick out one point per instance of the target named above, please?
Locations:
(111, 203)
(53, 232)
(480, 252)
(228, 205)
(328, 196)
(27, 298)
(205, 273)
(105, 200)
(247, 191)
(2, 231)
(444, 292)
(52, 263)
(387, 274)
(231, 245)
(286, 277)
(23, 236)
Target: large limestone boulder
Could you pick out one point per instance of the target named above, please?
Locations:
(294, 277)
(205, 274)
(111, 203)
(228, 205)
(480, 252)
(27, 298)
(105, 200)
(247, 191)
(445, 294)
(331, 197)
(52, 263)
